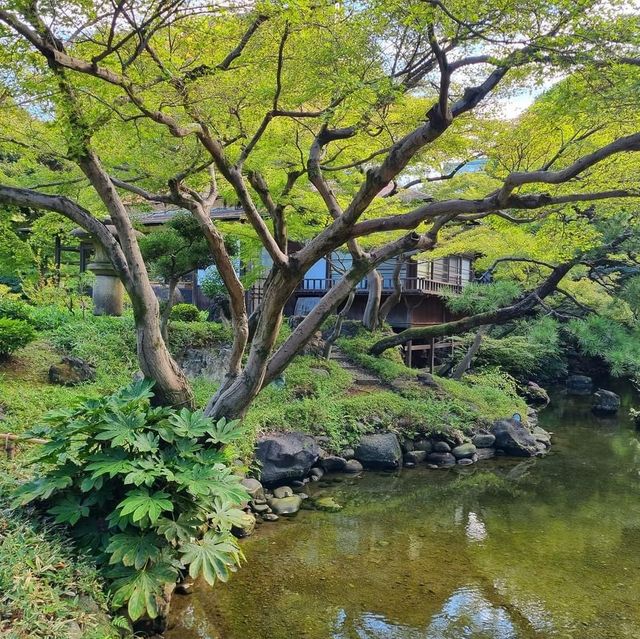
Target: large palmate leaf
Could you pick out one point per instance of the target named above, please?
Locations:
(41, 488)
(225, 432)
(145, 471)
(142, 588)
(215, 556)
(182, 529)
(134, 549)
(191, 424)
(120, 429)
(226, 515)
(113, 462)
(135, 392)
(69, 510)
(141, 503)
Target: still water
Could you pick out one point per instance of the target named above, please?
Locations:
(506, 549)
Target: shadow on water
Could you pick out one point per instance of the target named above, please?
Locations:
(509, 549)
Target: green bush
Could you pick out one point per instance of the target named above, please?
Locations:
(183, 335)
(146, 491)
(14, 334)
(48, 318)
(185, 313)
(14, 309)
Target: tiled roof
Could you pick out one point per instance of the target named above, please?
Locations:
(161, 217)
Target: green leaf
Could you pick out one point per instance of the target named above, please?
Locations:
(112, 463)
(140, 503)
(146, 443)
(183, 529)
(41, 488)
(134, 549)
(135, 392)
(216, 555)
(141, 589)
(225, 432)
(190, 424)
(120, 429)
(68, 510)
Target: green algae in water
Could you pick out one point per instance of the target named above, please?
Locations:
(507, 549)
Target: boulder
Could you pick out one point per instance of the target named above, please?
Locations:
(286, 505)
(542, 436)
(464, 451)
(316, 473)
(485, 453)
(253, 487)
(441, 459)
(514, 438)
(579, 385)
(414, 457)
(605, 402)
(536, 394)
(71, 371)
(381, 450)
(441, 447)
(282, 491)
(353, 466)
(347, 453)
(207, 363)
(427, 379)
(423, 444)
(333, 464)
(245, 527)
(483, 440)
(465, 461)
(286, 456)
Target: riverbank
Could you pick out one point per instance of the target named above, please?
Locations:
(509, 549)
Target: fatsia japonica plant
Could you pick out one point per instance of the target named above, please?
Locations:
(148, 491)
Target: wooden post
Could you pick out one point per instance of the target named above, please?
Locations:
(432, 363)
(407, 357)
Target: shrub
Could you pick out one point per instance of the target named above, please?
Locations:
(47, 318)
(146, 491)
(197, 335)
(14, 334)
(14, 309)
(185, 313)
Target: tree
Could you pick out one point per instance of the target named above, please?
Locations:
(172, 251)
(303, 151)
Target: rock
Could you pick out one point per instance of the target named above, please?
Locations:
(353, 466)
(483, 440)
(579, 385)
(465, 461)
(408, 464)
(319, 372)
(327, 504)
(253, 487)
(532, 417)
(513, 438)
(427, 379)
(380, 450)
(316, 473)
(423, 444)
(220, 309)
(247, 526)
(441, 447)
(605, 402)
(208, 363)
(282, 491)
(347, 453)
(286, 456)
(315, 346)
(414, 457)
(333, 464)
(541, 435)
(536, 394)
(270, 517)
(464, 450)
(406, 445)
(485, 453)
(261, 509)
(441, 459)
(71, 371)
(286, 505)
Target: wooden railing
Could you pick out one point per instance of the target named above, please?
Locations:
(409, 285)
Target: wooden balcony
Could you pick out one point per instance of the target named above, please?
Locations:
(319, 286)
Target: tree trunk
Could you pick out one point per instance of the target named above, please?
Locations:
(465, 362)
(395, 297)
(171, 385)
(166, 313)
(370, 317)
(328, 345)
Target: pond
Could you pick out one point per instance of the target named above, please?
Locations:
(506, 549)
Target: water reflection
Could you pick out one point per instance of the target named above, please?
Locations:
(534, 549)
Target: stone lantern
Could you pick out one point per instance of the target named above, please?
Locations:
(108, 292)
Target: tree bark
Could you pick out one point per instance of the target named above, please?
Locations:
(395, 297)
(166, 313)
(372, 309)
(465, 363)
